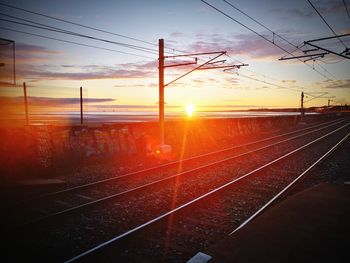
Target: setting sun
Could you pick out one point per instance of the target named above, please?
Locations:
(190, 109)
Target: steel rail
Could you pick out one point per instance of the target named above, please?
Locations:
(97, 201)
(263, 208)
(129, 232)
(155, 168)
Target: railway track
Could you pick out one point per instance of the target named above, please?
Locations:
(127, 215)
(177, 234)
(81, 197)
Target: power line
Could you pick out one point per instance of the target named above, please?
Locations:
(269, 83)
(335, 62)
(325, 70)
(76, 34)
(335, 34)
(262, 36)
(62, 31)
(249, 70)
(259, 23)
(296, 88)
(346, 7)
(84, 26)
(274, 33)
(259, 80)
(77, 24)
(75, 43)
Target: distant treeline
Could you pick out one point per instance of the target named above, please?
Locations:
(340, 108)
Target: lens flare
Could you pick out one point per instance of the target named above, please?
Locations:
(190, 109)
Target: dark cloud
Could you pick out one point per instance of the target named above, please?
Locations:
(33, 49)
(289, 81)
(249, 45)
(128, 106)
(177, 34)
(338, 84)
(128, 86)
(155, 107)
(236, 106)
(110, 74)
(5, 84)
(28, 54)
(294, 12)
(323, 6)
(48, 101)
(84, 72)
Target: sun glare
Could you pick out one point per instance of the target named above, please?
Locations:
(189, 109)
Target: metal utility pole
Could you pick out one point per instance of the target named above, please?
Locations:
(161, 90)
(161, 66)
(81, 105)
(25, 102)
(302, 104)
(14, 62)
(316, 51)
(318, 95)
(8, 42)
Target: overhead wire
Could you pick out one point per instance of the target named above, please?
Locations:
(335, 34)
(297, 89)
(58, 30)
(77, 24)
(84, 26)
(297, 47)
(262, 36)
(75, 43)
(244, 13)
(346, 7)
(46, 27)
(269, 83)
(335, 62)
(316, 61)
(55, 29)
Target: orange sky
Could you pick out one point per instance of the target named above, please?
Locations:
(113, 80)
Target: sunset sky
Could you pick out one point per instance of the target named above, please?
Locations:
(55, 70)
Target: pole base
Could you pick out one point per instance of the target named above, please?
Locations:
(164, 151)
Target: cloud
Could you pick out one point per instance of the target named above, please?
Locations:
(48, 101)
(85, 72)
(33, 49)
(177, 34)
(128, 86)
(153, 85)
(249, 45)
(294, 12)
(289, 81)
(28, 54)
(155, 107)
(323, 6)
(110, 74)
(345, 31)
(236, 106)
(261, 87)
(330, 6)
(5, 84)
(338, 84)
(129, 106)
